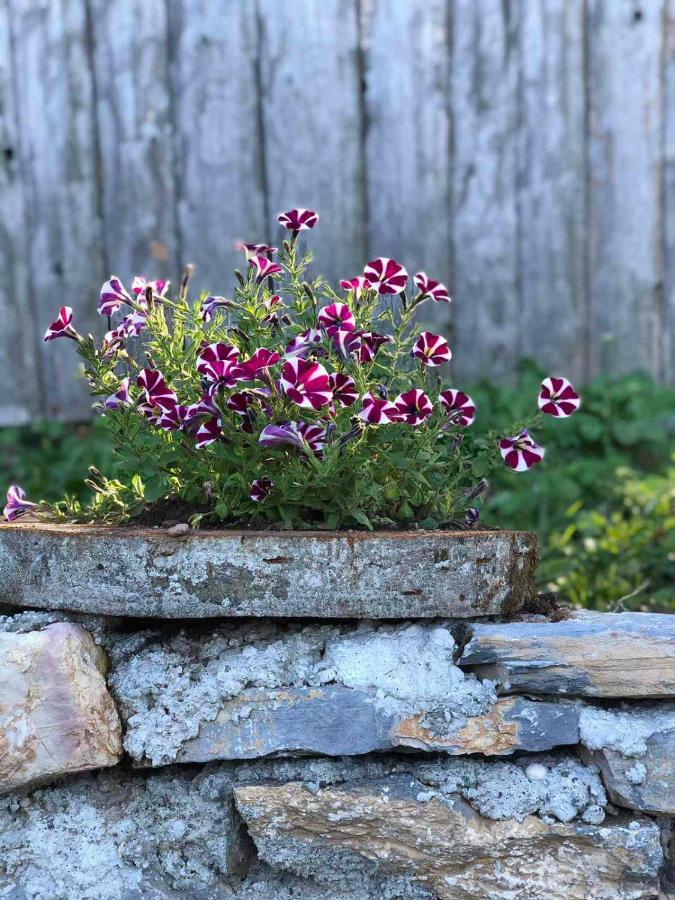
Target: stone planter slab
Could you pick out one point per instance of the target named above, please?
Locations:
(589, 654)
(137, 572)
(56, 715)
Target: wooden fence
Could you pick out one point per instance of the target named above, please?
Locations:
(521, 150)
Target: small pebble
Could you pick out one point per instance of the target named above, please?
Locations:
(178, 530)
(536, 772)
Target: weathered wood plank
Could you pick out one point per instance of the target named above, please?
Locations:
(55, 99)
(590, 654)
(626, 326)
(669, 190)
(407, 106)
(131, 57)
(20, 390)
(311, 116)
(485, 227)
(219, 162)
(551, 184)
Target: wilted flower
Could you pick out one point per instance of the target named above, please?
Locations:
(252, 368)
(261, 488)
(306, 383)
(112, 295)
(344, 389)
(216, 361)
(430, 288)
(520, 452)
(263, 267)
(412, 407)
(337, 317)
(62, 326)
(458, 407)
(208, 432)
(377, 411)
(558, 398)
(471, 517)
(298, 219)
(17, 505)
(357, 285)
(386, 275)
(120, 397)
(211, 304)
(431, 349)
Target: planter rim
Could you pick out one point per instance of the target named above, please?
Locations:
(152, 573)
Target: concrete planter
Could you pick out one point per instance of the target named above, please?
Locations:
(150, 572)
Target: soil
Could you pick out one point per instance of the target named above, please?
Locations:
(547, 605)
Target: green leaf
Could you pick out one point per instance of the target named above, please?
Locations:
(359, 516)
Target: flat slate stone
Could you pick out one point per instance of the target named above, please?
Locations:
(589, 654)
(148, 572)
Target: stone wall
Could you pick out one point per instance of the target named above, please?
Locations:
(446, 758)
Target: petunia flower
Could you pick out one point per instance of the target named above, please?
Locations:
(263, 267)
(140, 284)
(112, 295)
(157, 393)
(371, 342)
(252, 368)
(520, 452)
(344, 389)
(132, 325)
(304, 435)
(272, 306)
(431, 349)
(216, 361)
(347, 343)
(17, 505)
(337, 317)
(558, 398)
(121, 396)
(260, 489)
(358, 285)
(430, 288)
(211, 303)
(208, 432)
(309, 341)
(458, 407)
(298, 219)
(255, 249)
(242, 402)
(412, 407)
(62, 326)
(386, 275)
(306, 383)
(377, 410)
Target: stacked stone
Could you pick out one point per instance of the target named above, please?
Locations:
(470, 750)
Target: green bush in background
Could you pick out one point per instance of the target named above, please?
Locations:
(604, 506)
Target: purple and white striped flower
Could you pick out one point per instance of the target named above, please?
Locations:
(173, 419)
(211, 304)
(121, 397)
(216, 361)
(347, 343)
(412, 407)
(377, 410)
(358, 286)
(17, 505)
(62, 326)
(431, 349)
(306, 383)
(344, 389)
(309, 342)
(263, 267)
(430, 288)
(298, 219)
(243, 404)
(140, 284)
(157, 393)
(520, 452)
(371, 342)
(208, 432)
(558, 398)
(132, 325)
(458, 407)
(256, 249)
(256, 366)
(260, 489)
(304, 435)
(337, 317)
(386, 275)
(112, 295)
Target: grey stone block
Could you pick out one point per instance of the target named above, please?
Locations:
(137, 572)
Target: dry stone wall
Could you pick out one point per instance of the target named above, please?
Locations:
(512, 757)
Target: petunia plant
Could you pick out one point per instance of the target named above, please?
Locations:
(287, 404)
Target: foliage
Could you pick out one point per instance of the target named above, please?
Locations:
(287, 404)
